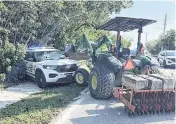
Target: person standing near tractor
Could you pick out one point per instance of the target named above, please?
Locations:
(144, 60)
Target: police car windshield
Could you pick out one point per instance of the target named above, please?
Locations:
(49, 55)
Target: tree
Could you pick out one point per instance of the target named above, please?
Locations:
(53, 22)
(151, 46)
(125, 41)
(168, 41)
(94, 34)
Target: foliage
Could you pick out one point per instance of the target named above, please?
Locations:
(126, 42)
(93, 35)
(2, 77)
(16, 73)
(167, 41)
(52, 22)
(151, 46)
(11, 61)
(10, 54)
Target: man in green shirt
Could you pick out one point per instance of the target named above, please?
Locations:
(145, 60)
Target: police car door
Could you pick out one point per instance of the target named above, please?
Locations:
(29, 60)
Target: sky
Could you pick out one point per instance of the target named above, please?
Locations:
(150, 9)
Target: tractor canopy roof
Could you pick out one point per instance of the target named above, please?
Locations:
(125, 24)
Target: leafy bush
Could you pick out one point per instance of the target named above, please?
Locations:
(10, 54)
(16, 73)
(11, 62)
(2, 77)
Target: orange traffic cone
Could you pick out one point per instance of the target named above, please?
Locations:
(129, 65)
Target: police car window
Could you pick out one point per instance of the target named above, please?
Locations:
(29, 55)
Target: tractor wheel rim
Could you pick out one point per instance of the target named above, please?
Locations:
(94, 82)
(79, 78)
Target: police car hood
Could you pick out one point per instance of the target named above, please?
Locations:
(59, 62)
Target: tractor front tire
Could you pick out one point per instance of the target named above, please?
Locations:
(101, 82)
(81, 77)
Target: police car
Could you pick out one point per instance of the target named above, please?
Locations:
(49, 65)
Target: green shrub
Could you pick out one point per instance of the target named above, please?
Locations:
(10, 54)
(16, 73)
(11, 62)
(2, 78)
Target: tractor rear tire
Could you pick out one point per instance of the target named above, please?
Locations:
(101, 82)
(81, 77)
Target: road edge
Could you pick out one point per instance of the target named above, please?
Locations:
(64, 115)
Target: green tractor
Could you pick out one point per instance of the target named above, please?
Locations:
(106, 68)
(81, 51)
(84, 52)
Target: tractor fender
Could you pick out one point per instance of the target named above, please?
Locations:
(109, 61)
(85, 68)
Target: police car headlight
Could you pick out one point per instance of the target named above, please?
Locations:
(50, 66)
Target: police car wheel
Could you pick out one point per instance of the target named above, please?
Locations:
(164, 64)
(40, 79)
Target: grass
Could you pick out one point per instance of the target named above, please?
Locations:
(40, 108)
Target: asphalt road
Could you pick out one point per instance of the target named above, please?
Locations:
(87, 110)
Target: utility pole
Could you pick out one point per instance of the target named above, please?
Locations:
(164, 29)
(165, 23)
